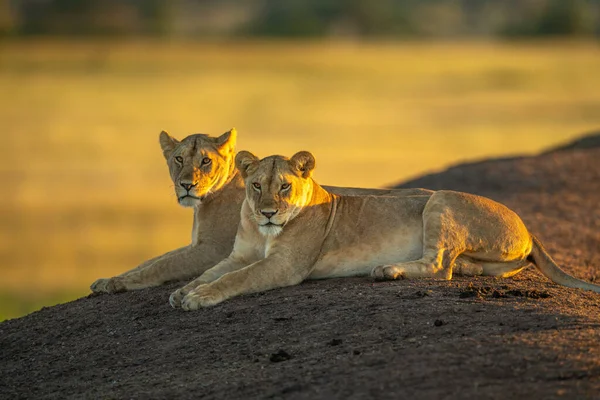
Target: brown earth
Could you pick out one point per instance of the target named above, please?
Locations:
(470, 338)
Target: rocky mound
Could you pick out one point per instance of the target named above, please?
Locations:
(349, 338)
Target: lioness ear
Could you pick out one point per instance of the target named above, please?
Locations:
(304, 162)
(227, 140)
(167, 143)
(246, 162)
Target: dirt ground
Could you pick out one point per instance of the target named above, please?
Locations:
(470, 338)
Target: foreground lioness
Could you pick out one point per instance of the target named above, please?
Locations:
(204, 176)
(292, 229)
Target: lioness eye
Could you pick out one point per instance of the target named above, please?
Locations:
(256, 185)
(206, 160)
(285, 186)
(179, 159)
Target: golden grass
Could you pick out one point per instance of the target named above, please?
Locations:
(85, 189)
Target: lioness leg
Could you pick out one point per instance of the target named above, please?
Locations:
(214, 273)
(111, 285)
(458, 223)
(443, 241)
(467, 267)
(504, 269)
(436, 265)
(269, 273)
(155, 259)
(187, 263)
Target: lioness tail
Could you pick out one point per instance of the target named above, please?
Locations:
(542, 260)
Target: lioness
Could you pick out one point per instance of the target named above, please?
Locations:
(292, 229)
(203, 172)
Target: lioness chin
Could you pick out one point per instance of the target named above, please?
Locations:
(204, 177)
(292, 229)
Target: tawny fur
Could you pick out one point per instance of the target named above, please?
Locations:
(292, 229)
(203, 172)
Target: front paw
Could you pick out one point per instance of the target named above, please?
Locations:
(385, 272)
(202, 296)
(110, 285)
(176, 298)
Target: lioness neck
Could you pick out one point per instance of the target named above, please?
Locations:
(226, 192)
(320, 195)
(217, 218)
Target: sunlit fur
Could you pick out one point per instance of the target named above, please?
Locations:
(218, 197)
(276, 187)
(187, 161)
(323, 235)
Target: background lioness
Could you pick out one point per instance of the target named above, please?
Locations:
(204, 176)
(292, 229)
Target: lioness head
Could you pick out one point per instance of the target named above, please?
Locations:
(276, 187)
(199, 164)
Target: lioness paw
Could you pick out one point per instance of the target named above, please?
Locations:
(386, 272)
(202, 296)
(176, 297)
(108, 285)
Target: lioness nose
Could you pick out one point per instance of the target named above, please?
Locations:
(269, 213)
(187, 186)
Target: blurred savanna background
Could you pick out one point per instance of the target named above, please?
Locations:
(379, 91)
